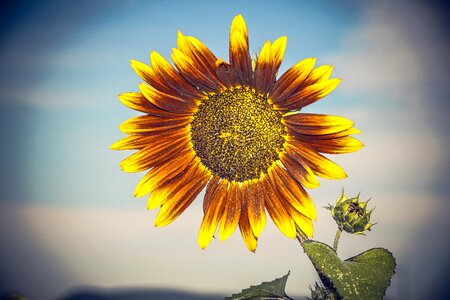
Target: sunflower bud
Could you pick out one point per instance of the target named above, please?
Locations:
(351, 214)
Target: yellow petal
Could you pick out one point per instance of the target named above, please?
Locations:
(238, 25)
(150, 124)
(264, 75)
(290, 190)
(240, 58)
(210, 189)
(265, 57)
(162, 173)
(170, 103)
(192, 71)
(303, 222)
(171, 182)
(346, 144)
(134, 142)
(144, 71)
(302, 173)
(320, 165)
(178, 201)
(316, 124)
(166, 73)
(319, 90)
(277, 212)
(289, 82)
(255, 207)
(278, 49)
(204, 59)
(213, 214)
(231, 213)
(319, 74)
(136, 101)
(150, 156)
(307, 95)
(244, 225)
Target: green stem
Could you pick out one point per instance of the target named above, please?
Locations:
(301, 237)
(336, 239)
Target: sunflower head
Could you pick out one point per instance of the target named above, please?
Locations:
(351, 215)
(234, 129)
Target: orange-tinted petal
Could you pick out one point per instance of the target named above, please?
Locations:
(320, 165)
(231, 213)
(167, 74)
(150, 156)
(303, 222)
(213, 214)
(267, 64)
(203, 58)
(250, 240)
(319, 74)
(167, 102)
(239, 51)
(136, 141)
(255, 207)
(148, 124)
(162, 173)
(210, 189)
(180, 199)
(290, 81)
(278, 49)
(137, 101)
(315, 124)
(302, 173)
(167, 180)
(225, 73)
(329, 136)
(192, 72)
(277, 212)
(346, 144)
(262, 76)
(238, 25)
(310, 94)
(292, 191)
(146, 72)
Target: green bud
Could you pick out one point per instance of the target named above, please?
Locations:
(351, 215)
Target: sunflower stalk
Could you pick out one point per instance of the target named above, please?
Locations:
(336, 239)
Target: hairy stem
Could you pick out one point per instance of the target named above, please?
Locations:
(336, 239)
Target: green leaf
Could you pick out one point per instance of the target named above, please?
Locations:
(365, 276)
(266, 290)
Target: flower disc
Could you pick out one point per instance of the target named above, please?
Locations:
(237, 134)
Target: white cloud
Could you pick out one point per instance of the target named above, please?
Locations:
(384, 64)
(378, 59)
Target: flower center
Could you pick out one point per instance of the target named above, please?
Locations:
(237, 134)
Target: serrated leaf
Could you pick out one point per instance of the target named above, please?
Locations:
(365, 276)
(265, 291)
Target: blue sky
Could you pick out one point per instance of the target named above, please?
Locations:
(64, 198)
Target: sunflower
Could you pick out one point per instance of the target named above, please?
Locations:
(236, 130)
